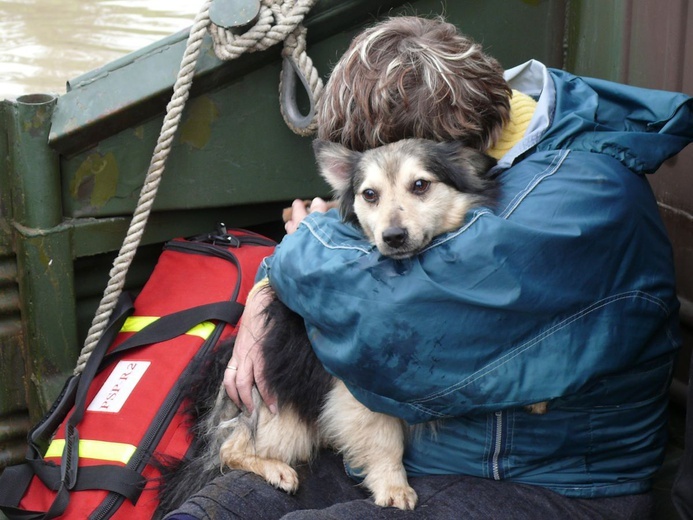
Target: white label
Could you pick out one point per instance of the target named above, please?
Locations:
(118, 387)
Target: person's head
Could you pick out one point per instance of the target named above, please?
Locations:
(413, 77)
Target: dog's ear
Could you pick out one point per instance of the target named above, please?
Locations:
(336, 164)
(479, 161)
(474, 161)
(465, 169)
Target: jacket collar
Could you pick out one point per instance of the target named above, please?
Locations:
(531, 78)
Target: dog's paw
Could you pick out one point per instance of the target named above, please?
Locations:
(280, 475)
(538, 408)
(401, 497)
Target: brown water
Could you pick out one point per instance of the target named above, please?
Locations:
(44, 43)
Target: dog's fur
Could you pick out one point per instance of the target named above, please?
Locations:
(402, 195)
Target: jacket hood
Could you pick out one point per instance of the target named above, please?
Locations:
(641, 128)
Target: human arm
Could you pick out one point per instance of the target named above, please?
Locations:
(568, 281)
(246, 366)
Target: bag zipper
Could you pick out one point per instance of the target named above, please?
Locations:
(153, 435)
(173, 401)
(222, 237)
(209, 250)
(204, 248)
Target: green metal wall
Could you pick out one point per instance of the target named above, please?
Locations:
(73, 166)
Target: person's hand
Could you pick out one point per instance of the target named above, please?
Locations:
(245, 369)
(299, 210)
(246, 366)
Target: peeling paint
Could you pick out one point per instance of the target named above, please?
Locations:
(196, 130)
(96, 179)
(139, 132)
(36, 124)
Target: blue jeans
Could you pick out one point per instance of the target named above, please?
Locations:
(327, 493)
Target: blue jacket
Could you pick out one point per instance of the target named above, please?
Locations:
(564, 292)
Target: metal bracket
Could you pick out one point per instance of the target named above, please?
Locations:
(288, 95)
(234, 15)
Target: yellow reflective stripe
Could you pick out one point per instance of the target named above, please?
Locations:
(99, 450)
(203, 330)
(137, 323)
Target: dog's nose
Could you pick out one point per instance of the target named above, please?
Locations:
(395, 236)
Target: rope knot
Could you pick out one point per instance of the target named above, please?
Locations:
(279, 21)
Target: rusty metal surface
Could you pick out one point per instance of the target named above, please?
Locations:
(648, 43)
(659, 53)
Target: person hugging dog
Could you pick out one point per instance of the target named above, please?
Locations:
(562, 294)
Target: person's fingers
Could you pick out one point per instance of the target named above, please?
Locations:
(318, 205)
(267, 396)
(245, 379)
(298, 213)
(230, 382)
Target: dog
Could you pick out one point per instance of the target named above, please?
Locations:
(402, 195)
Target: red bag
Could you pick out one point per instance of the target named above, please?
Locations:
(127, 404)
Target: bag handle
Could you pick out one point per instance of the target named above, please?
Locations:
(165, 328)
(15, 480)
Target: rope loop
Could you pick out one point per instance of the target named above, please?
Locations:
(279, 21)
(297, 63)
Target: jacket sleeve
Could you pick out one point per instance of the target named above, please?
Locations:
(569, 279)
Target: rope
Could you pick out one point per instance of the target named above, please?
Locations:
(278, 20)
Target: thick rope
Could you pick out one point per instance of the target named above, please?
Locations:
(278, 19)
(181, 90)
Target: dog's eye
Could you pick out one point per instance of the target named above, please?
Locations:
(369, 195)
(420, 186)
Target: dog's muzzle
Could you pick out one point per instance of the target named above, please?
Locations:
(395, 237)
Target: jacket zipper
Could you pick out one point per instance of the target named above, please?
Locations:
(498, 447)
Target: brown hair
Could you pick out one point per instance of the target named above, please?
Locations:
(413, 77)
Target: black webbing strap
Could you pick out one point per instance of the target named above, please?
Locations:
(163, 329)
(121, 480)
(173, 325)
(41, 434)
(68, 476)
(15, 480)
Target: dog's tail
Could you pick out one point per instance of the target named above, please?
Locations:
(180, 478)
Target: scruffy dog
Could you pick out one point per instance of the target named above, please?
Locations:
(402, 195)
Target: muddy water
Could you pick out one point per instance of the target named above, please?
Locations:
(44, 43)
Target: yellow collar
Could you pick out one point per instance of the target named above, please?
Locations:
(522, 109)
